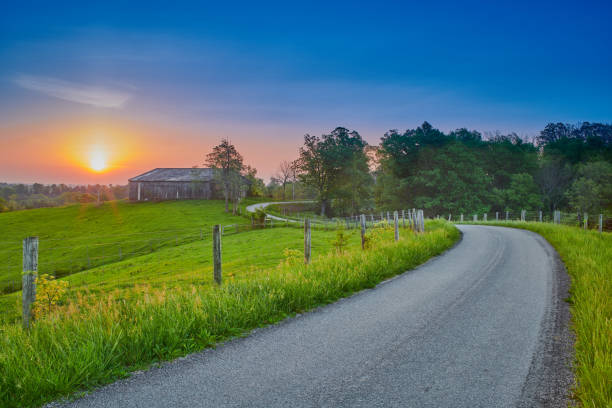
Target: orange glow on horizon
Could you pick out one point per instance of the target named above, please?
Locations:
(97, 159)
(90, 150)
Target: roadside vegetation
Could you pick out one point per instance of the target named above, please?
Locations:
(84, 344)
(587, 255)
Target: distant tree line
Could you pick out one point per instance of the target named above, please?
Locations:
(566, 167)
(27, 196)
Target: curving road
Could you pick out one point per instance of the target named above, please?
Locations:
(483, 325)
(254, 207)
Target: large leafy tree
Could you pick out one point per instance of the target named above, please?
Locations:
(335, 165)
(228, 165)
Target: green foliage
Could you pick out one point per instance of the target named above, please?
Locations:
(522, 194)
(341, 239)
(591, 191)
(259, 216)
(49, 293)
(95, 343)
(336, 166)
(462, 172)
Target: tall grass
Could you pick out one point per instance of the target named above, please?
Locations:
(587, 256)
(86, 345)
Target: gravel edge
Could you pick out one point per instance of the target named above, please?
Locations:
(551, 375)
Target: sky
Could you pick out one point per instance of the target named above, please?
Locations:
(98, 92)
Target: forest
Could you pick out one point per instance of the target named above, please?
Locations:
(566, 167)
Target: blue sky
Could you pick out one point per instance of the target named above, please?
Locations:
(274, 71)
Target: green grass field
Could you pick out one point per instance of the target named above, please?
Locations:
(161, 305)
(79, 237)
(244, 254)
(587, 256)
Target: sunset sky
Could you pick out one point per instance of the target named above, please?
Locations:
(128, 87)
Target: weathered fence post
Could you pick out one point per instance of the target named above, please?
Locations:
(307, 240)
(485, 217)
(600, 223)
(396, 225)
(540, 216)
(449, 217)
(422, 218)
(217, 253)
(586, 221)
(522, 215)
(496, 215)
(403, 219)
(28, 279)
(475, 217)
(363, 231)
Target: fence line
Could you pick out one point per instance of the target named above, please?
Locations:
(599, 222)
(31, 248)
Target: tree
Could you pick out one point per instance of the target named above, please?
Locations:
(327, 164)
(553, 178)
(228, 166)
(591, 191)
(522, 194)
(285, 171)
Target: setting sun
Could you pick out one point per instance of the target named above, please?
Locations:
(97, 160)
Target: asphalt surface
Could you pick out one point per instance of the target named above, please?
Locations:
(254, 207)
(483, 325)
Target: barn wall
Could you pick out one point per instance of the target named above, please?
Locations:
(170, 190)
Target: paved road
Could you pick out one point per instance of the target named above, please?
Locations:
(254, 207)
(480, 326)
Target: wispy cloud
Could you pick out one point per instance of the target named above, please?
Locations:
(74, 92)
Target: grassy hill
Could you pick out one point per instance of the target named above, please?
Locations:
(80, 237)
(244, 255)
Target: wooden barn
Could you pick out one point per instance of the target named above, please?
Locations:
(173, 184)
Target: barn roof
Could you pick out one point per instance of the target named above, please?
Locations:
(175, 174)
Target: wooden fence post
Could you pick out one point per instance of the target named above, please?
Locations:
(363, 231)
(475, 217)
(217, 253)
(586, 221)
(522, 215)
(506, 215)
(461, 217)
(307, 241)
(600, 223)
(396, 225)
(485, 217)
(28, 279)
(496, 215)
(422, 216)
(449, 217)
(540, 216)
(403, 219)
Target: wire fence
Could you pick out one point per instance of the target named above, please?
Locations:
(60, 257)
(602, 222)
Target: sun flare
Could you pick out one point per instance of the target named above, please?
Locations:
(97, 159)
